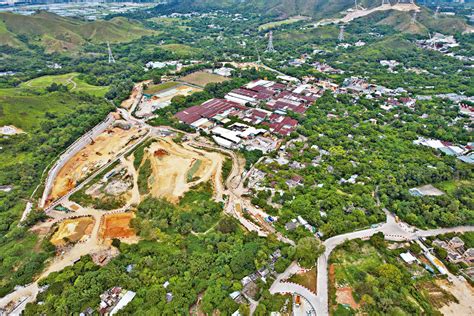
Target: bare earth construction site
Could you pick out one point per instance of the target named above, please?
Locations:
(93, 196)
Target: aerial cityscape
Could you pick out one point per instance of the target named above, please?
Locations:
(240, 157)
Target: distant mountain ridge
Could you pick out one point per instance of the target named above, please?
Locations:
(327, 9)
(313, 8)
(60, 34)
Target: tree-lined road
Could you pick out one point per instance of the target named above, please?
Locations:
(391, 229)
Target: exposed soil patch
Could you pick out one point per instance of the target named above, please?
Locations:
(160, 153)
(176, 168)
(105, 147)
(103, 257)
(437, 296)
(344, 296)
(463, 292)
(73, 230)
(202, 78)
(116, 226)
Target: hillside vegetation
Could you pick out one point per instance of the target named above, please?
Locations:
(60, 34)
(72, 81)
(425, 21)
(319, 9)
(283, 8)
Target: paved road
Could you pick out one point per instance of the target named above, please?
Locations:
(392, 231)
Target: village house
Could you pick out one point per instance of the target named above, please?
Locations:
(469, 255)
(114, 300)
(456, 242)
(408, 257)
(295, 181)
(292, 225)
(454, 257)
(440, 243)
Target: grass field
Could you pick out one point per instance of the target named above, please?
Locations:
(450, 186)
(70, 80)
(166, 21)
(181, 50)
(274, 24)
(306, 279)
(202, 78)
(194, 168)
(349, 265)
(8, 38)
(170, 22)
(24, 110)
(155, 88)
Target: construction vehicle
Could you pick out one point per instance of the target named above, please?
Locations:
(297, 300)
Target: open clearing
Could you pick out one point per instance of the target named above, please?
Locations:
(306, 279)
(70, 80)
(116, 226)
(159, 96)
(25, 110)
(344, 297)
(10, 130)
(175, 168)
(352, 15)
(202, 78)
(155, 88)
(290, 20)
(73, 230)
(136, 91)
(465, 295)
(92, 157)
(181, 50)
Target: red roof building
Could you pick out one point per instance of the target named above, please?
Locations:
(280, 124)
(209, 110)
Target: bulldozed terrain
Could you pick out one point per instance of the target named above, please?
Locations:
(73, 230)
(95, 155)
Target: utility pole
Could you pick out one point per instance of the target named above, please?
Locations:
(111, 57)
(270, 48)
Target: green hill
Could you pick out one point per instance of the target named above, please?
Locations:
(322, 9)
(8, 38)
(59, 34)
(26, 105)
(402, 21)
(26, 109)
(71, 80)
(282, 8)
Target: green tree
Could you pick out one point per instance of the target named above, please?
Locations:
(308, 250)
